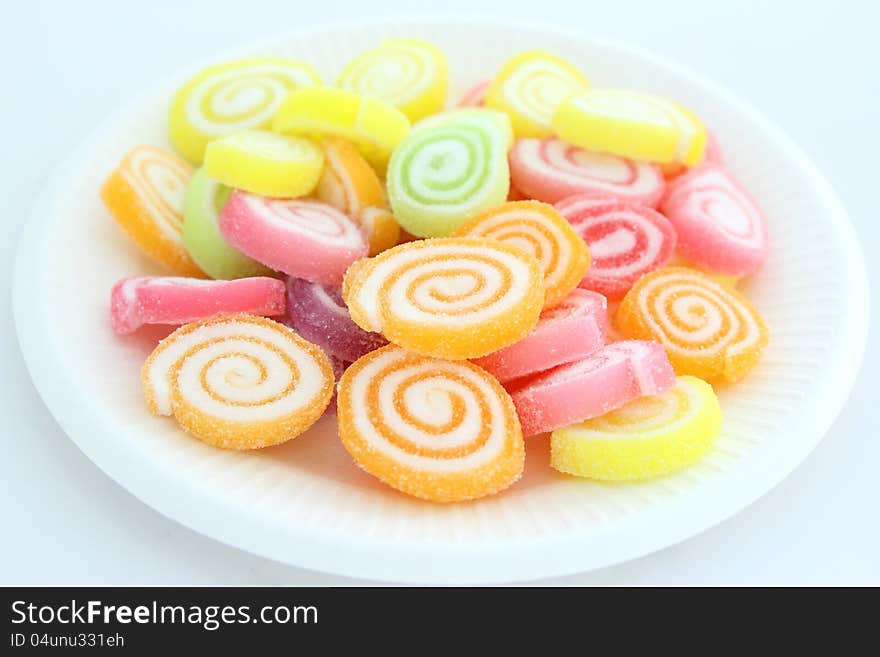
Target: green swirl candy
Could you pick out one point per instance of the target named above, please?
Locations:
(448, 169)
(204, 201)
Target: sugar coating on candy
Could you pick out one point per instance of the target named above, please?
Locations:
(372, 125)
(176, 300)
(708, 330)
(230, 97)
(145, 195)
(438, 430)
(319, 314)
(550, 170)
(567, 332)
(538, 229)
(300, 237)
(238, 381)
(649, 437)
(720, 227)
(338, 366)
(606, 379)
(203, 202)
(530, 87)
(475, 96)
(410, 74)
(450, 168)
(626, 241)
(350, 185)
(265, 163)
(631, 124)
(456, 297)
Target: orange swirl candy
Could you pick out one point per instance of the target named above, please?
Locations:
(451, 297)
(145, 195)
(238, 381)
(351, 185)
(439, 430)
(708, 329)
(539, 229)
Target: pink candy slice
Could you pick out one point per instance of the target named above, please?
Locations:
(606, 379)
(304, 238)
(626, 241)
(719, 226)
(318, 314)
(475, 96)
(569, 331)
(550, 170)
(175, 300)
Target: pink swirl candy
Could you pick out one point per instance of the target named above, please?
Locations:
(303, 238)
(569, 331)
(626, 241)
(550, 170)
(606, 379)
(176, 300)
(720, 227)
(318, 314)
(475, 96)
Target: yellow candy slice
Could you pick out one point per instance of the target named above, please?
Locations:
(350, 185)
(407, 73)
(373, 126)
(649, 437)
(235, 96)
(265, 163)
(530, 88)
(631, 124)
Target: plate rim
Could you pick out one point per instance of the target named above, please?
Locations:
(393, 561)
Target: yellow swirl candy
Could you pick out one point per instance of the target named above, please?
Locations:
(238, 381)
(372, 125)
(631, 124)
(407, 73)
(455, 298)
(265, 163)
(230, 97)
(530, 88)
(649, 437)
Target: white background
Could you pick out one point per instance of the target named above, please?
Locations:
(810, 66)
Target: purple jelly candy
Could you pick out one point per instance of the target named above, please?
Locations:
(319, 314)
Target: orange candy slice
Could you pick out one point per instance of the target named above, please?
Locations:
(351, 185)
(145, 195)
(238, 381)
(451, 297)
(434, 429)
(709, 330)
(540, 230)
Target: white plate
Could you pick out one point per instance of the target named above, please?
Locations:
(305, 503)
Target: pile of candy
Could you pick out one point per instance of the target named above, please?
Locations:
(546, 257)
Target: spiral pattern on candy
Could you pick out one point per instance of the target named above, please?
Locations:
(708, 330)
(301, 237)
(407, 73)
(235, 96)
(438, 430)
(451, 297)
(238, 381)
(145, 194)
(550, 170)
(625, 241)
(649, 437)
(450, 168)
(720, 227)
(530, 87)
(538, 229)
